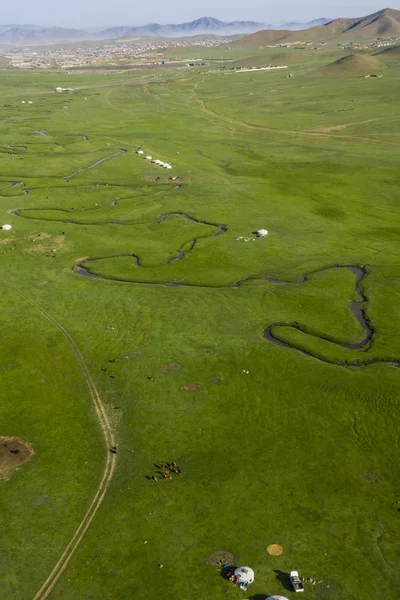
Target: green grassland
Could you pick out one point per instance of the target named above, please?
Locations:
(290, 445)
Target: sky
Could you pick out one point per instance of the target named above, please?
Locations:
(98, 13)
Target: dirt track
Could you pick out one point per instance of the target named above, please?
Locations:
(109, 466)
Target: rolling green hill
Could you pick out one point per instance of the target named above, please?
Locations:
(354, 64)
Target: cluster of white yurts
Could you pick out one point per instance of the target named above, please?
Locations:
(155, 161)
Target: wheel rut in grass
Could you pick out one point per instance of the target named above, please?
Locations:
(110, 461)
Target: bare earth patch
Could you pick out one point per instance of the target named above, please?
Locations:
(221, 557)
(329, 129)
(45, 248)
(81, 259)
(13, 453)
(171, 367)
(59, 240)
(191, 387)
(42, 282)
(41, 236)
(339, 127)
(7, 240)
(52, 244)
(275, 550)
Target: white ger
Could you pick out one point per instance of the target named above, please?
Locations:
(262, 232)
(6, 227)
(244, 575)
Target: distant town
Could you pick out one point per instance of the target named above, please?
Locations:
(113, 53)
(137, 52)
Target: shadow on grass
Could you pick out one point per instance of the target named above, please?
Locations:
(284, 579)
(227, 571)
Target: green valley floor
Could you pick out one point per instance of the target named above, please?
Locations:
(143, 321)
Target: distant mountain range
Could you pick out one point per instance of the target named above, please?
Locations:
(20, 34)
(299, 25)
(205, 25)
(28, 34)
(384, 23)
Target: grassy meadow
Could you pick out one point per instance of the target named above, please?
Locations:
(292, 444)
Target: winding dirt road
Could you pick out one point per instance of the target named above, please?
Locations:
(110, 462)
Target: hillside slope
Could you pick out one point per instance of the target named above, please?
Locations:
(385, 23)
(382, 23)
(390, 54)
(353, 64)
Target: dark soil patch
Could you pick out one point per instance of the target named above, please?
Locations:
(220, 558)
(13, 453)
(171, 367)
(216, 380)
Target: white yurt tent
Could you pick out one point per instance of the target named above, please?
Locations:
(244, 575)
(276, 598)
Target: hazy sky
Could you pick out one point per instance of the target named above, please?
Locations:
(84, 13)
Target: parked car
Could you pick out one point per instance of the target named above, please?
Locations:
(296, 581)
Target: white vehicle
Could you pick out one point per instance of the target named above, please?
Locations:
(296, 581)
